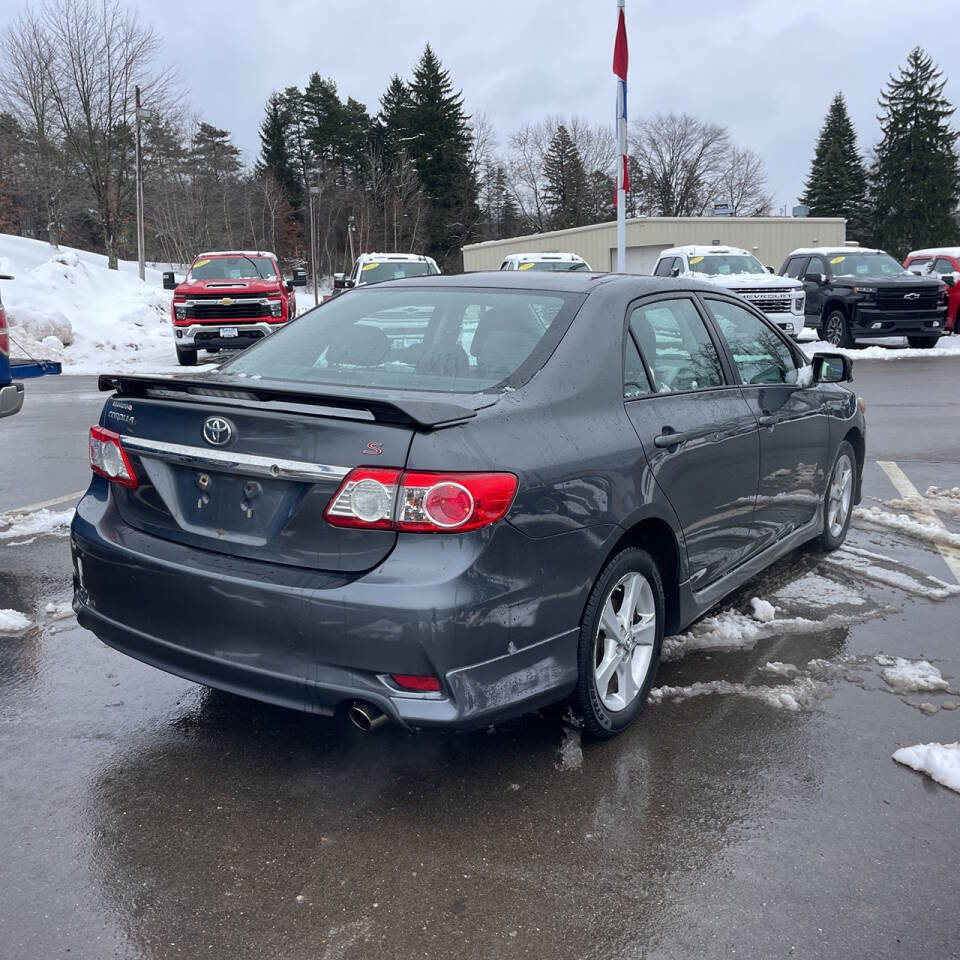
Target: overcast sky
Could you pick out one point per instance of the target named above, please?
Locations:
(766, 69)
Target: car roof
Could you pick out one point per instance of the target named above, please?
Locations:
(693, 250)
(546, 255)
(806, 251)
(236, 253)
(581, 281)
(406, 257)
(936, 252)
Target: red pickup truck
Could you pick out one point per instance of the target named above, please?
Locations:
(229, 300)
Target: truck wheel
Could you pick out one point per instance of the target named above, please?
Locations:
(186, 358)
(922, 343)
(836, 330)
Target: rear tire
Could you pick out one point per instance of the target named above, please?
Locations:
(922, 343)
(620, 639)
(835, 329)
(838, 498)
(186, 358)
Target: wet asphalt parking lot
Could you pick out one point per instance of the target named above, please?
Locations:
(144, 816)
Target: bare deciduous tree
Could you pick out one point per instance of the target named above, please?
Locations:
(100, 53)
(682, 161)
(743, 183)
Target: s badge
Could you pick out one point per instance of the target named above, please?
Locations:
(373, 449)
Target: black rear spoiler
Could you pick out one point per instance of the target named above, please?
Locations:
(427, 414)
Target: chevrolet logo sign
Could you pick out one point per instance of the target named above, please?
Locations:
(226, 301)
(911, 296)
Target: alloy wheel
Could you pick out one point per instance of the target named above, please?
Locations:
(840, 496)
(835, 329)
(623, 645)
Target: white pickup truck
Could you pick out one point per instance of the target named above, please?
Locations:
(780, 299)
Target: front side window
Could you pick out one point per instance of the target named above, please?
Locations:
(676, 345)
(943, 266)
(377, 271)
(664, 267)
(758, 353)
(415, 338)
(233, 268)
(816, 267)
(795, 267)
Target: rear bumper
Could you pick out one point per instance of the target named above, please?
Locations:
(315, 641)
(201, 336)
(11, 399)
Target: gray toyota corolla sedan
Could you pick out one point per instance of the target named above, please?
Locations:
(449, 500)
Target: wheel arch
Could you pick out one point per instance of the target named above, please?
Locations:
(654, 535)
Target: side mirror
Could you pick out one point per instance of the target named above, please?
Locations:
(948, 278)
(675, 272)
(817, 278)
(832, 368)
(770, 269)
(339, 281)
(299, 278)
(169, 281)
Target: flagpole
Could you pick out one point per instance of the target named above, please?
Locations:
(621, 161)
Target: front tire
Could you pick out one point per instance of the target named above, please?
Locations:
(922, 343)
(838, 499)
(620, 639)
(186, 358)
(836, 329)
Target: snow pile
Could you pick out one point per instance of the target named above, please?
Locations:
(16, 526)
(880, 569)
(802, 694)
(12, 622)
(763, 610)
(890, 350)
(817, 591)
(901, 523)
(939, 761)
(779, 669)
(66, 305)
(910, 676)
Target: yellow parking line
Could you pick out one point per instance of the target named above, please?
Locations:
(48, 503)
(908, 491)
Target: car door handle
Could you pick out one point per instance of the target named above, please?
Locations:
(767, 420)
(669, 438)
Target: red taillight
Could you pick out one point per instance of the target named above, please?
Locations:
(109, 459)
(383, 498)
(4, 335)
(415, 683)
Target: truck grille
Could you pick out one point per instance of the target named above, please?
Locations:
(216, 309)
(771, 300)
(904, 300)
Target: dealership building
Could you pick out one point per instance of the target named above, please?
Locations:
(770, 239)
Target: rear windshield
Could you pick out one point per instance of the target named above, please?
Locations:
(416, 338)
(380, 270)
(233, 268)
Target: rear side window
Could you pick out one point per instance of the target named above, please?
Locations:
(636, 383)
(415, 338)
(759, 354)
(676, 345)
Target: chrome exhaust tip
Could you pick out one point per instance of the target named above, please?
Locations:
(365, 716)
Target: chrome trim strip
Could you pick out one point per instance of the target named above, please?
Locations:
(242, 462)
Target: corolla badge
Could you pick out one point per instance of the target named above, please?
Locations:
(217, 431)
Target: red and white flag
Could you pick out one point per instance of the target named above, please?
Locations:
(620, 58)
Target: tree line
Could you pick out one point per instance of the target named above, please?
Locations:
(906, 195)
(418, 172)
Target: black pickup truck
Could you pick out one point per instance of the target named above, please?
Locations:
(854, 293)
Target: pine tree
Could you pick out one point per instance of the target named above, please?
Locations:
(323, 119)
(438, 140)
(837, 184)
(566, 182)
(392, 118)
(601, 192)
(915, 180)
(275, 150)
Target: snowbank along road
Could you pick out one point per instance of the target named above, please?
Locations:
(789, 791)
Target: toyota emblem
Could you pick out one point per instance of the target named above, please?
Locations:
(217, 431)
